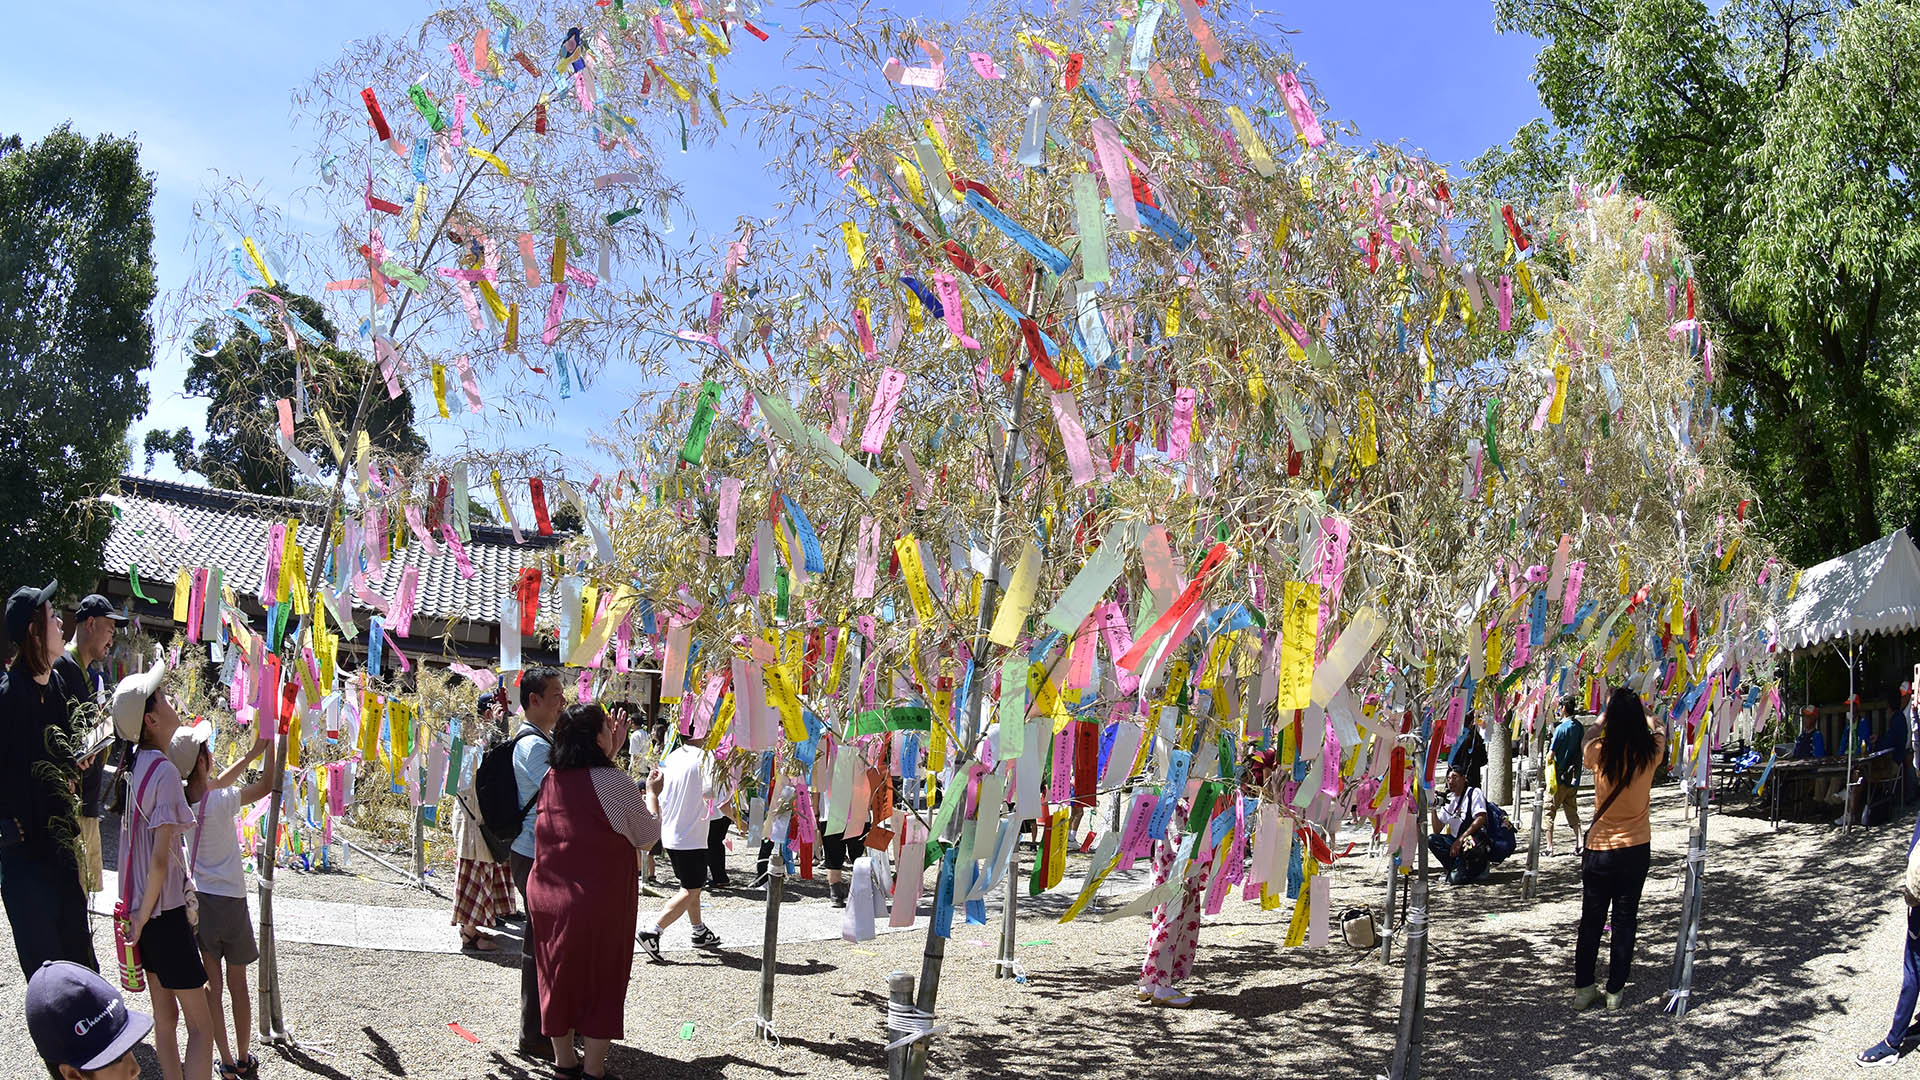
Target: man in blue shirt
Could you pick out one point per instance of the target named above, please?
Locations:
(542, 696)
(1566, 748)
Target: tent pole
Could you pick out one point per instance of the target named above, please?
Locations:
(1853, 695)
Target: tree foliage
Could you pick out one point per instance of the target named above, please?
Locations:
(1782, 135)
(76, 280)
(243, 380)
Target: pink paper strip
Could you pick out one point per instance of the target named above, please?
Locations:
(1073, 437)
(1182, 433)
(1305, 120)
(528, 264)
(886, 399)
(728, 538)
(468, 383)
(916, 480)
(1576, 573)
(952, 310)
(866, 559)
(984, 66)
(552, 331)
(1113, 166)
(400, 615)
(459, 550)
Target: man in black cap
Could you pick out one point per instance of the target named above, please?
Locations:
(81, 1026)
(94, 625)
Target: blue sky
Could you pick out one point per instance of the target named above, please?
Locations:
(205, 87)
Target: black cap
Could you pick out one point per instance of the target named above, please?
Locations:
(77, 1018)
(22, 606)
(96, 606)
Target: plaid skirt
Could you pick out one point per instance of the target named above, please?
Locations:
(482, 892)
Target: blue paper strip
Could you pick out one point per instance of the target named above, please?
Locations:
(942, 925)
(809, 542)
(1055, 260)
(1178, 762)
(1157, 220)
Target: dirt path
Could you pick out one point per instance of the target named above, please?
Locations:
(1798, 966)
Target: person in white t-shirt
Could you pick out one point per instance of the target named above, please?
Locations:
(225, 930)
(679, 791)
(1460, 840)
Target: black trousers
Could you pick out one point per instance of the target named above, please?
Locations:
(47, 908)
(717, 852)
(1612, 881)
(522, 868)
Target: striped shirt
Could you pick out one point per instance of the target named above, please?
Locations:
(626, 807)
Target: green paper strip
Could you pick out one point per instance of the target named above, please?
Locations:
(133, 578)
(798, 435)
(891, 718)
(1094, 578)
(1092, 216)
(696, 446)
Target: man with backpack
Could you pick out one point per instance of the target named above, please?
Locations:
(507, 811)
(1471, 834)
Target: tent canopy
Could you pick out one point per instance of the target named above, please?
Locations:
(1873, 590)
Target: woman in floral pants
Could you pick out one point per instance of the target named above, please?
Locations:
(1175, 932)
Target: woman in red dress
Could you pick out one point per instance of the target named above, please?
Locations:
(584, 895)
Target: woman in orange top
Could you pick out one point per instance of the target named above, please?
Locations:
(1623, 752)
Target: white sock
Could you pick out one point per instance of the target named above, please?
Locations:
(656, 929)
(699, 926)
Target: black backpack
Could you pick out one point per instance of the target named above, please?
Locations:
(497, 789)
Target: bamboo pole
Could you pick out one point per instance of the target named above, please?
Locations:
(936, 949)
(1413, 983)
(272, 1023)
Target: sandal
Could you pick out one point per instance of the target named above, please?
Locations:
(249, 1067)
(477, 943)
(229, 1072)
(569, 1072)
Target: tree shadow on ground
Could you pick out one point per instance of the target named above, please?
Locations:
(1499, 1002)
(1499, 989)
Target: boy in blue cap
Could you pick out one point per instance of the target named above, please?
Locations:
(80, 1025)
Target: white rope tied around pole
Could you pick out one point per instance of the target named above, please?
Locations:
(761, 1027)
(912, 1024)
(1013, 968)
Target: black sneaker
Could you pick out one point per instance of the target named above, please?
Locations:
(1877, 1055)
(703, 938)
(650, 941)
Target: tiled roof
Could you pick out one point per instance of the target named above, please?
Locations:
(228, 530)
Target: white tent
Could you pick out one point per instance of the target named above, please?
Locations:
(1873, 590)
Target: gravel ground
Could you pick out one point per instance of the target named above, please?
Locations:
(1798, 966)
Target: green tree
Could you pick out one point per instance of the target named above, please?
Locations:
(243, 380)
(1782, 135)
(76, 280)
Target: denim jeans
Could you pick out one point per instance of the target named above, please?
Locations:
(522, 868)
(1471, 866)
(1611, 880)
(1909, 981)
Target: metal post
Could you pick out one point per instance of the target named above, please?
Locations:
(1386, 923)
(899, 992)
(1539, 811)
(1413, 983)
(420, 843)
(1003, 969)
(770, 944)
